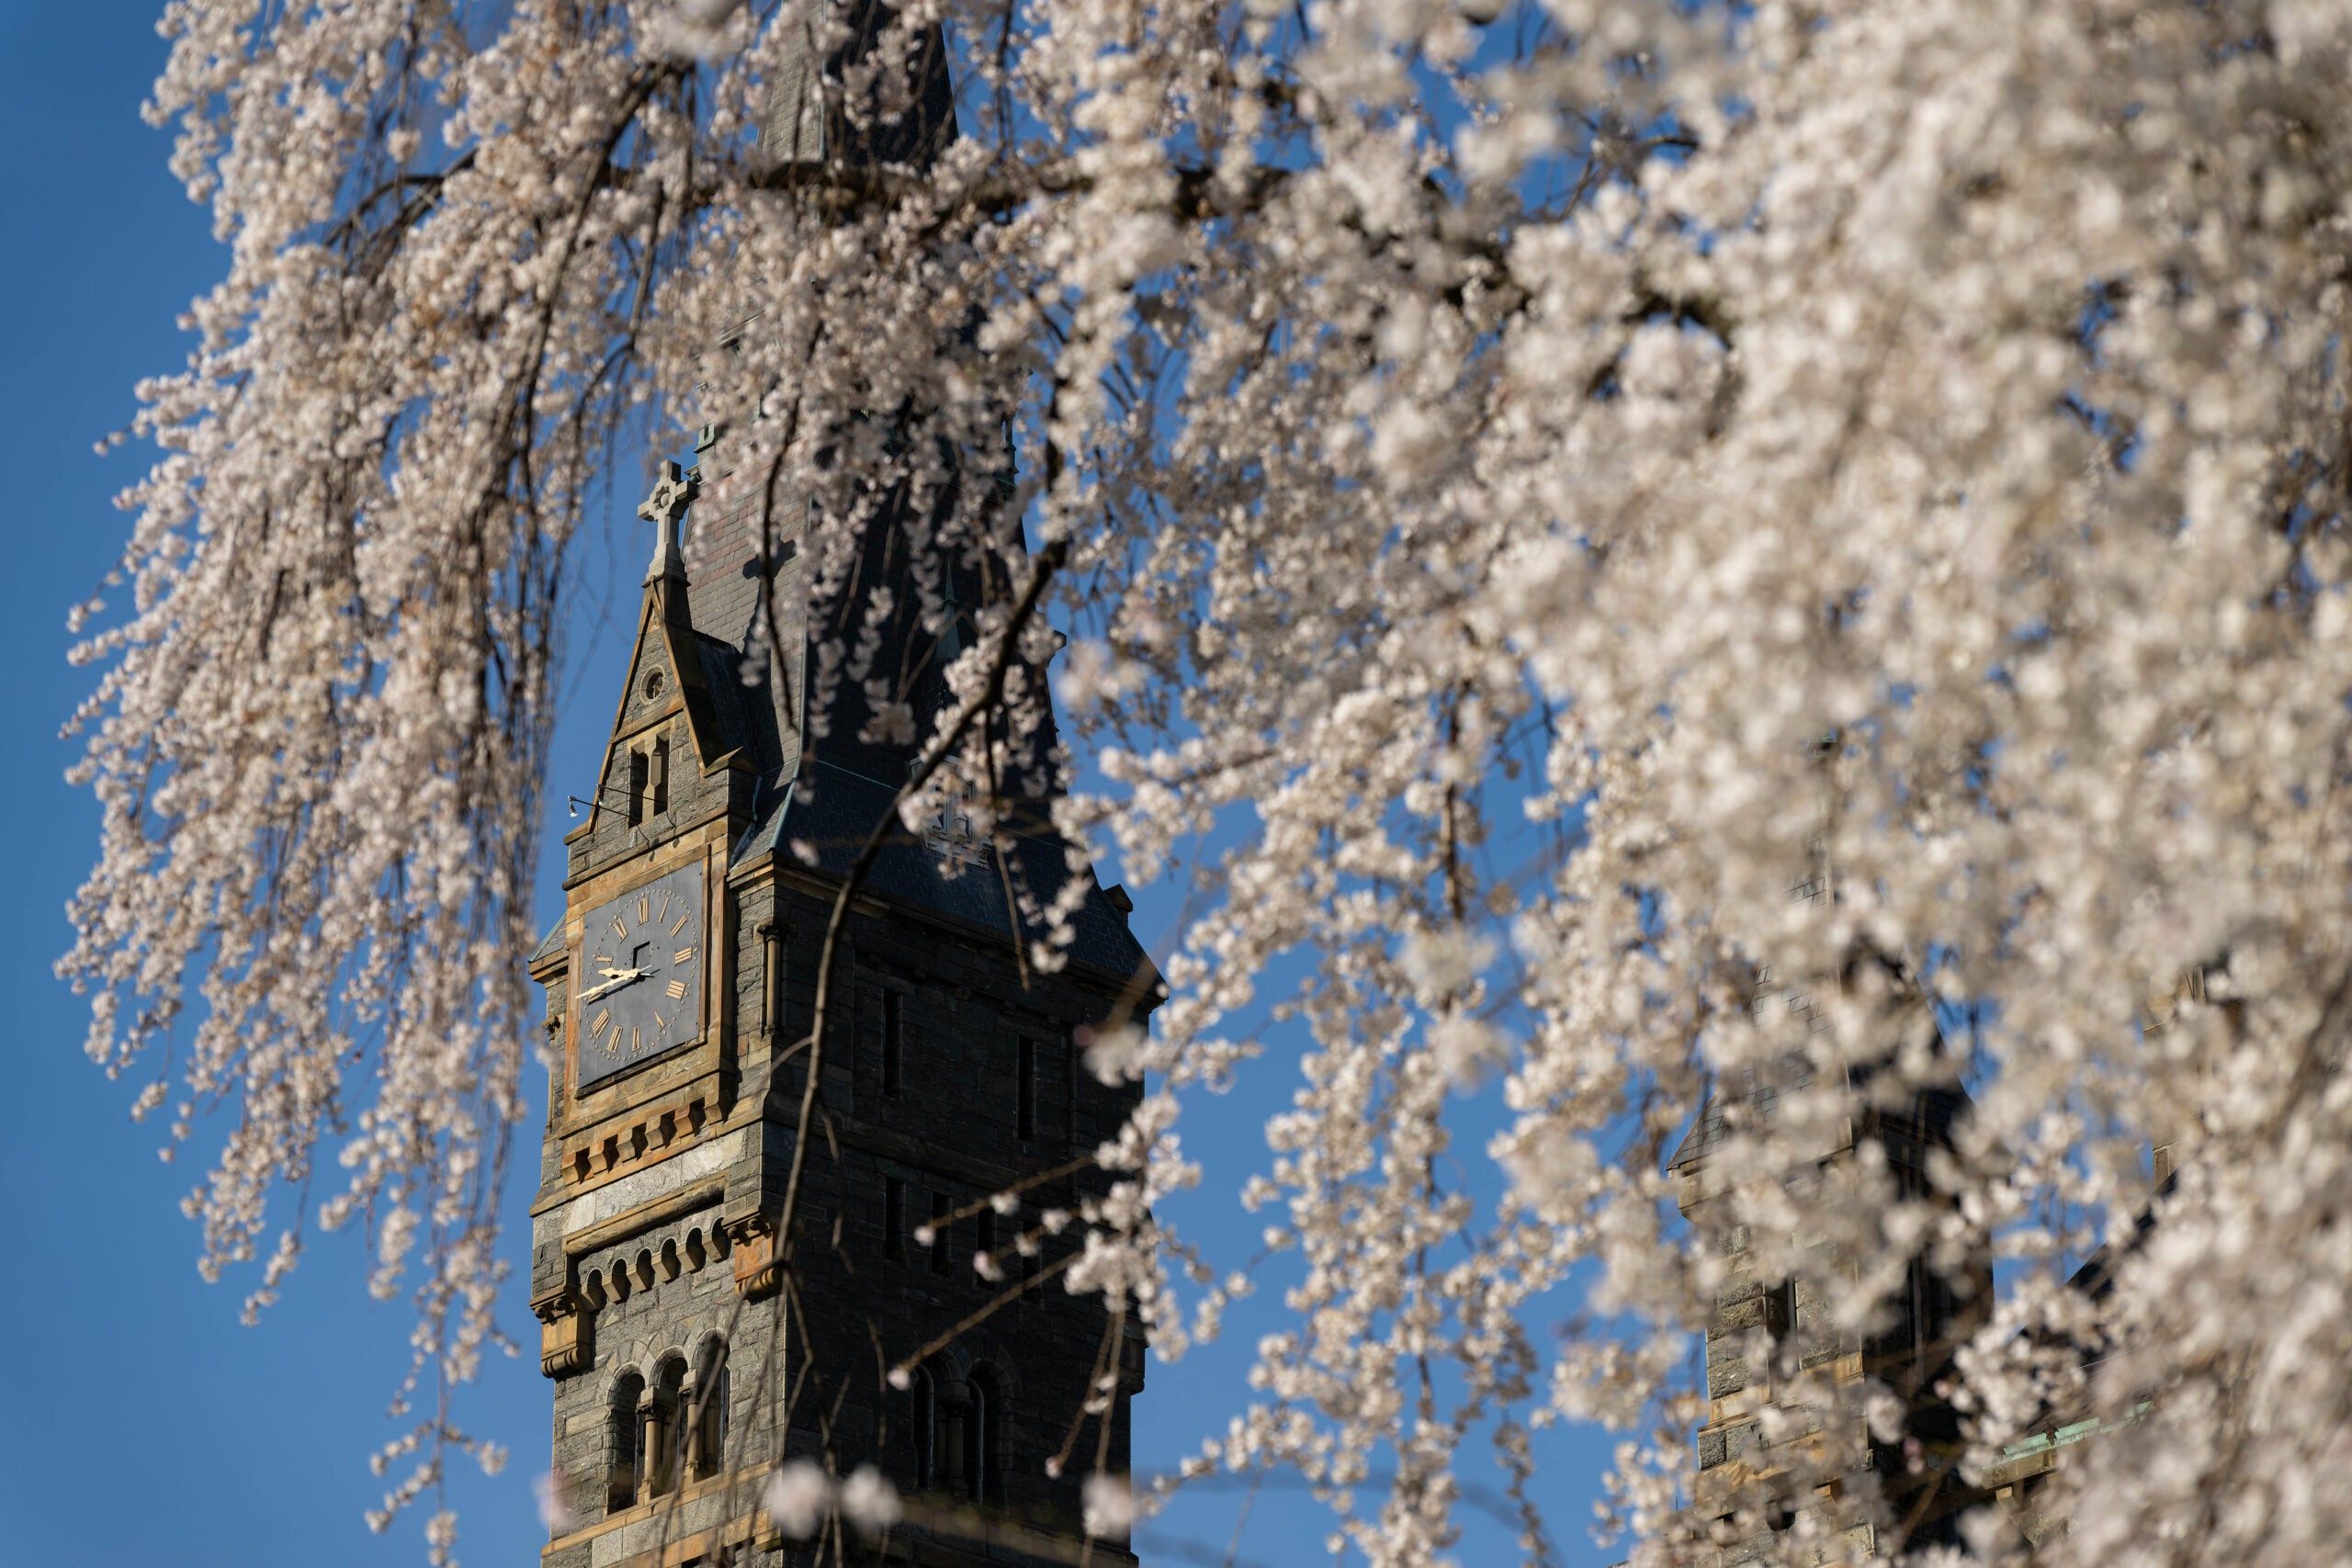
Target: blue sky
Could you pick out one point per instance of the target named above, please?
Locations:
(146, 1423)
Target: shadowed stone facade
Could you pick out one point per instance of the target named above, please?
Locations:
(1785, 1440)
(1774, 1344)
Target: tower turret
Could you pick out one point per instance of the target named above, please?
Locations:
(697, 1336)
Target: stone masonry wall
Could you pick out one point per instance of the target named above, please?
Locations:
(949, 1136)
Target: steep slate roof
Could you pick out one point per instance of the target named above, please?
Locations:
(746, 720)
(1930, 1117)
(828, 792)
(831, 809)
(1758, 1095)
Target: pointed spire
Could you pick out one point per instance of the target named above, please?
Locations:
(673, 493)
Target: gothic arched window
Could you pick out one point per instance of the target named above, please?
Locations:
(924, 1426)
(624, 1444)
(956, 1434)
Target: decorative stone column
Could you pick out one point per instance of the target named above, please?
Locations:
(697, 1431)
(659, 1424)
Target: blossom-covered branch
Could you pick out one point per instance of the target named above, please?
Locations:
(1784, 557)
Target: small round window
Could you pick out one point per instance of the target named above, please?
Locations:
(652, 684)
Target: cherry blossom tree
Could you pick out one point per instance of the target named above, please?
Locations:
(1891, 449)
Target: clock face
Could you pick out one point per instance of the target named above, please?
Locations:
(641, 982)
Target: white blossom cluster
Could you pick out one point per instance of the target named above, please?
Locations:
(1889, 449)
(798, 1498)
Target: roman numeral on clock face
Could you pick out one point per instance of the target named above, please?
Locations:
(619, 930)
(681, 923)
(682, 955)
(677, 990)
(604, 1017)
(644, 907)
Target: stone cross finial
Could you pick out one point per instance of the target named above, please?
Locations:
(672, 492)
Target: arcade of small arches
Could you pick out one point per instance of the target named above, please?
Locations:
(672, 1427)
(623, 1276)
(958, 1427)
(667, 1428)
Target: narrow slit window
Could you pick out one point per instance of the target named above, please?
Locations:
(638, 773)
(925, 1430)
(625, 1470)
(1781, 1322)
(658, 775)
(894, 1217)
(664, 1432)
(709, 1437)
(939, 1233)
(894, 1040)
(980, 1443)
(985, 1240)
(1024, 1104)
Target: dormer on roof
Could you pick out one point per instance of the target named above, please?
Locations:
(684, 718)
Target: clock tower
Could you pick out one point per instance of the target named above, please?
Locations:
(696, 1338)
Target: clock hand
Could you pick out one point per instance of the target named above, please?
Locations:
(620, 977)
